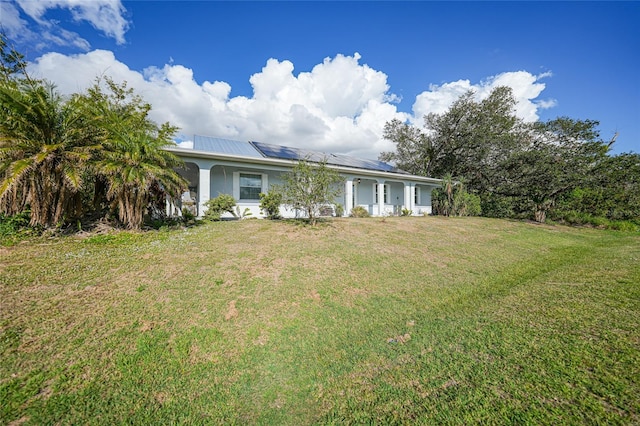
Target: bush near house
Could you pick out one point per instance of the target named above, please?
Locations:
(359, 211)
(216, 207)
(270, 204)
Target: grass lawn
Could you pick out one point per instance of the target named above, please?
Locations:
(357, 321)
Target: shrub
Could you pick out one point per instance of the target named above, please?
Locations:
(187, 215)
(339, 210)
(493, 205)
(270, 203)
(223, 203)
(624, 225)
(13, 228)
(599, 222)
(453, 199)
(406, 212)
(359, 211)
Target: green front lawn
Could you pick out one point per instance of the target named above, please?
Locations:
(357, 321)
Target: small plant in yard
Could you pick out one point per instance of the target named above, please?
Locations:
(245, 214)
(339, 210)
(359, 211)
(406, 212)
(216, 207)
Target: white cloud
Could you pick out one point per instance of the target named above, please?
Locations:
(107, 16)
(11, 21)
(526, 88)
(546, 103)
(339, 106)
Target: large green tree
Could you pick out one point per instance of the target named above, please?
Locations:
(467, 141)
(559, 156)
(515, 167)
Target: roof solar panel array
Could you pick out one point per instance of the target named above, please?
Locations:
(288, 153)
(267, 150)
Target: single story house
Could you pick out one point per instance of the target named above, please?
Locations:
(245, 169)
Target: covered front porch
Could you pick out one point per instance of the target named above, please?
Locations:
(385, 197)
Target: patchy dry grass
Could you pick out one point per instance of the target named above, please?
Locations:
(406, 320)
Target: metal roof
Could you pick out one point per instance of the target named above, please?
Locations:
(225, 146)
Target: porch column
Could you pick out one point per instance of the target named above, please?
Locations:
(407, 196)
(204, 189)
(348, 196)
(381, 198)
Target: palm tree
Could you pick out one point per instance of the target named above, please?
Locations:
(45, 144)
(134, 167)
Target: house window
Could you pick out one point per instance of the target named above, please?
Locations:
(250, 186)
(417, 196)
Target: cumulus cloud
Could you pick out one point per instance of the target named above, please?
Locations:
(107, 16)
(339, 106)
(526, 88)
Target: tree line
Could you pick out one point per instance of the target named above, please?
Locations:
(495, 164)
(95, 153)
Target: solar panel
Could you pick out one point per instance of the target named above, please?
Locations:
(225, 146)
(289, 153)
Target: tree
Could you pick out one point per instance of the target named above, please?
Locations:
(613, 192)
(561, 155)
(133, 168)
(12, 62)
(308, 187)
(45, 143)
(467, 141)
(513, 166)
(415, 151)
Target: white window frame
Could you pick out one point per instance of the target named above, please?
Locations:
(417, 196)
(386, 191)
(236, 184)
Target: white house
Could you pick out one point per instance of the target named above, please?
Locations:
(245, 169)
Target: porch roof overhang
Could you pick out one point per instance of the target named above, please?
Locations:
(187, 153)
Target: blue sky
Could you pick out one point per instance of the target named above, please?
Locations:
(328, 75)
